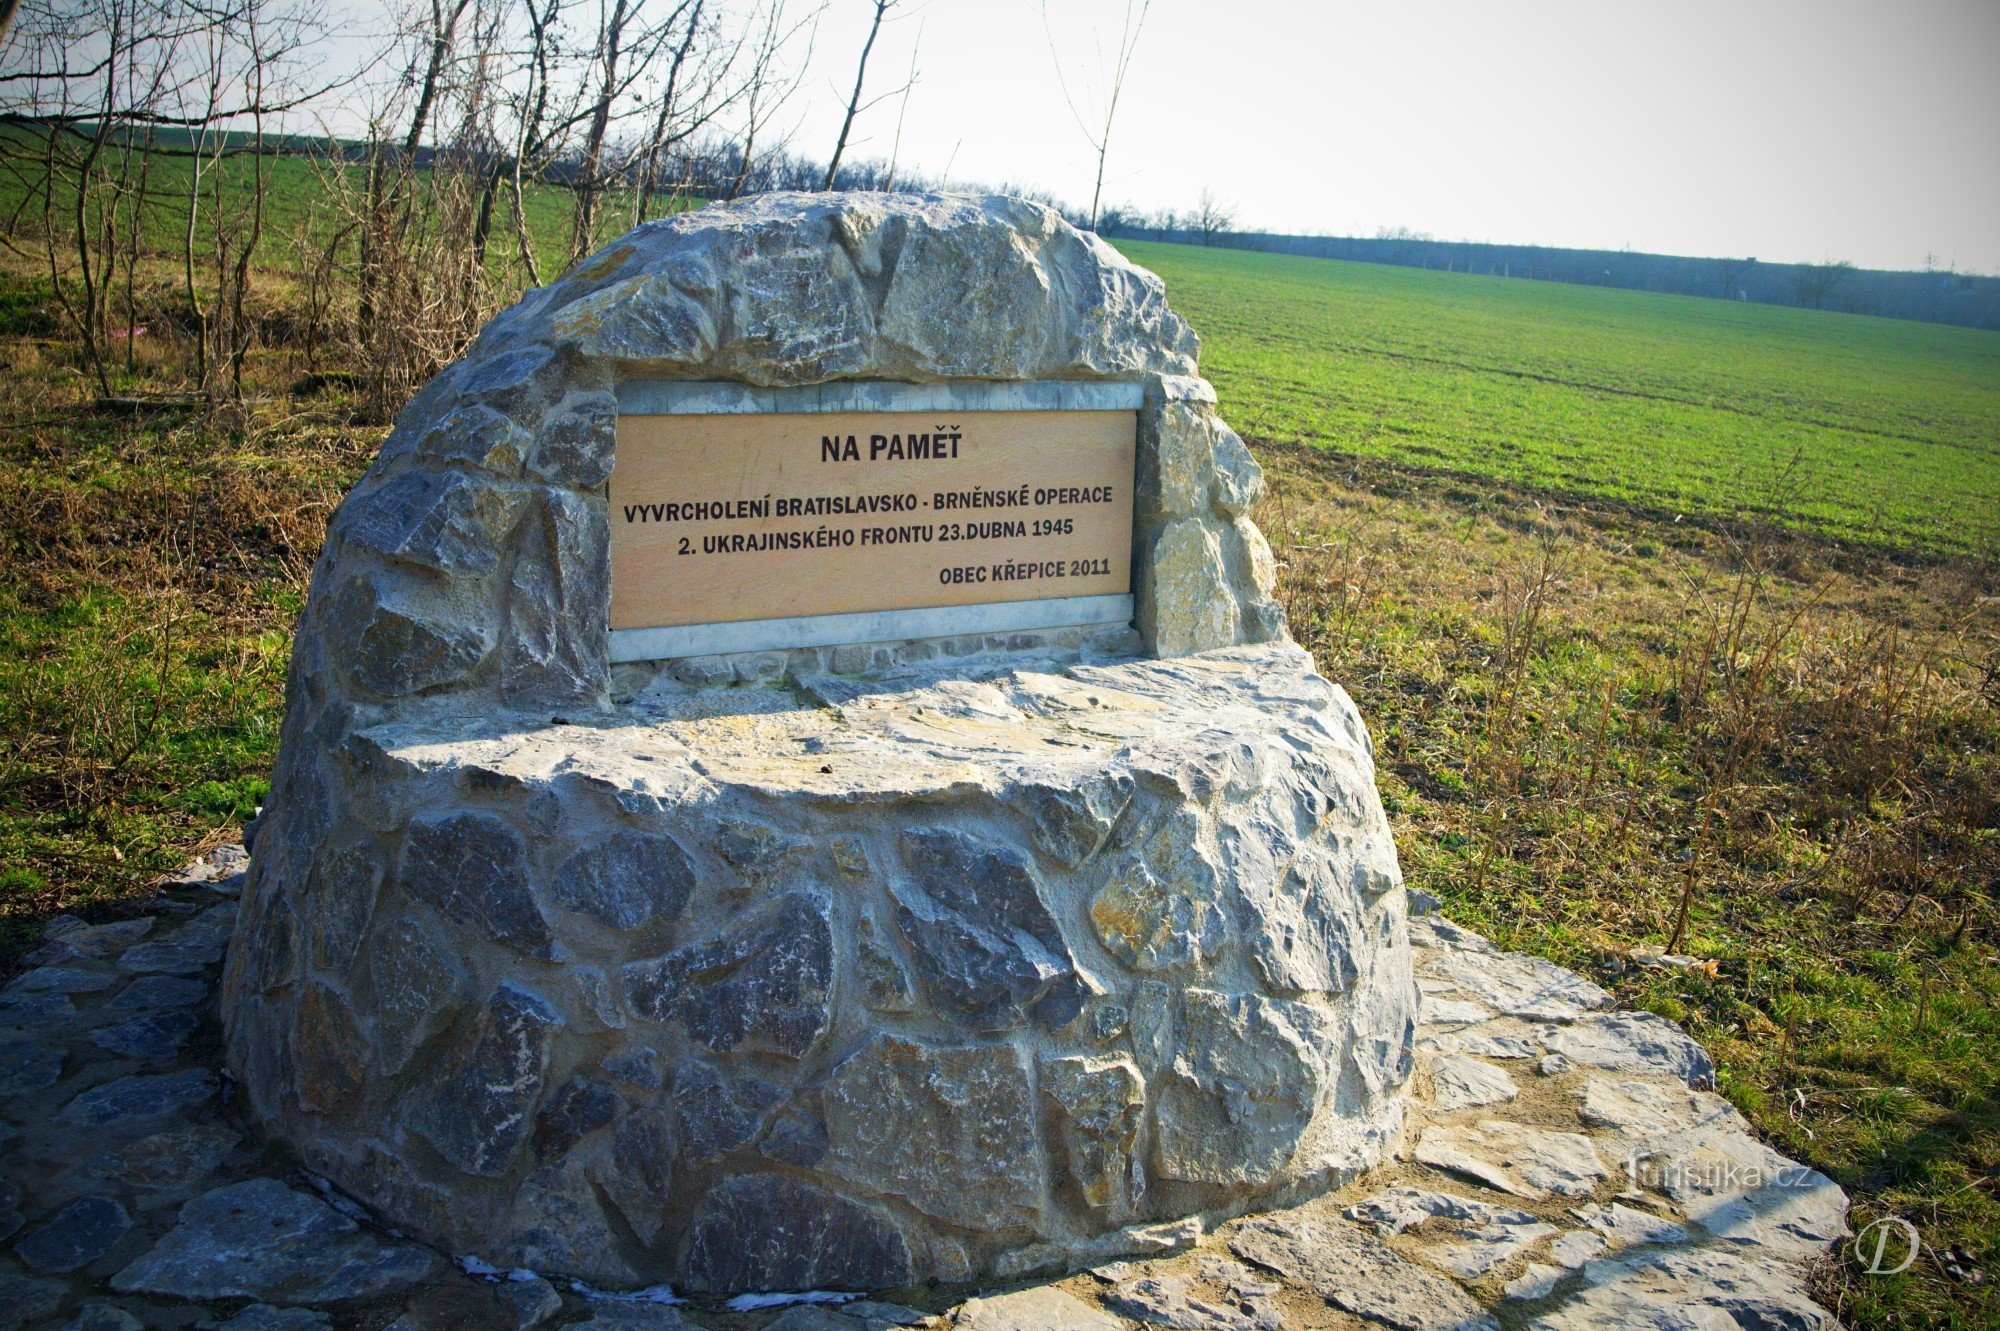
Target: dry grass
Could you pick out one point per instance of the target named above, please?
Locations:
(1603, 737)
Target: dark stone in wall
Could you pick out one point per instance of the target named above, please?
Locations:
(764, 1232)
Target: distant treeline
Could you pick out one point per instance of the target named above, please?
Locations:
(1937, 296)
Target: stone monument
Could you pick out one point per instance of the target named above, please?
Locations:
(793, 778)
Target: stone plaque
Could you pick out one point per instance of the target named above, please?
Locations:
(744, 521)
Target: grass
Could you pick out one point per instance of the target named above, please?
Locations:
(1765, 740)
(1871, 430)
(1602, 735)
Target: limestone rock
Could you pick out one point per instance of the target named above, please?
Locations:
(532, 1301)
(142, 1099)
(1465, 1083)
(264, 1317)
(1623, 1227)
(1035, 1309)
(414, 987)
(560, 1222)
(481, 1114)
(717, 1113)
(1101, 1100)
(261, 1240)
(1486, 1235)
(152, 1036)
(952, 1130)
(28, 1065)
(1516, 984)
(1356, 1273)
(443, 521)
(168, 1159)
(762, 1232)
(473, 867)
(75, 1236)
(1632, 1042)
(1537, 1281)
(1243, 1085)
(104, 1317)
(980, 934)
(1516, 1158)
(61, 980)
(1173, 1302)
(158, 991)
(23, 1299)
(764, 983)
(1741, 1191)
(572, 1112)
(627, 880)
(1668, 1291)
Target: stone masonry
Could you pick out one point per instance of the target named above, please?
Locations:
(1583, 1180)
(835, 968)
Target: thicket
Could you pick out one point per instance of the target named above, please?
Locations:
(159, 169)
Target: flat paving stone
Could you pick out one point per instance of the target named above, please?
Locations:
(262, 1240)
(31, 1012)
(61, 980)
(263, 1317)
(139, 1099)
(622, 1315)
(27, 1066)
(24, 1299)
(90, 941)
(1356, 1272)
(1483, 1235)
(1176, 1303)
(168, 1159)
(158, 991)
(103, 1317)
(1538, 1281)
(153, 1036)
(1631, 1042)
(1037, 1309)
(1623, 1226)
(531, 1302)
(1467, 1083)
(1686, 1290)
(1516, 1158)
(873, 1313)
(75, 1236)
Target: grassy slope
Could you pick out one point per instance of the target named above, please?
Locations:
(1869, 429)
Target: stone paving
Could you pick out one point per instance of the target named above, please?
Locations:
(1564, 1167)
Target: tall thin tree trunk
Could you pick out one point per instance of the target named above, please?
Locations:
(854, 99)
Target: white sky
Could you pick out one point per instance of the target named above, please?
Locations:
(1783, 129)
(1787, 130)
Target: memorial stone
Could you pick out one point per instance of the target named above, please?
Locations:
(794, 777)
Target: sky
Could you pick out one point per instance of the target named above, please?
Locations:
(1777, 129)
(1784, 130)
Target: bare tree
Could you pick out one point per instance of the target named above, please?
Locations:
(855, 106)
(766, 87)
(1099, 136)
(1212, 216)
(1729, 275)
(910, 83)
(1816, 283)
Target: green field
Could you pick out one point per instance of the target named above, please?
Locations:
(1872, 430)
